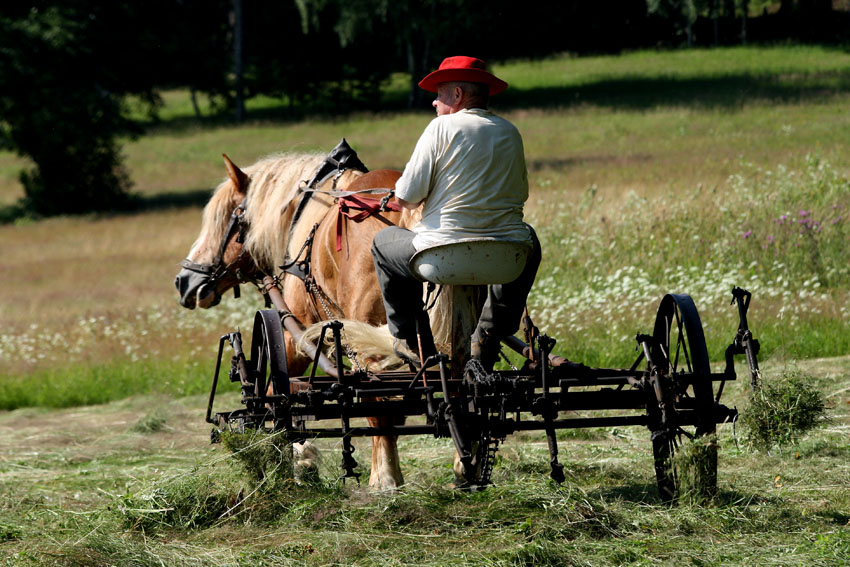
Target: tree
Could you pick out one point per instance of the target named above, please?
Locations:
(745, 14)
(681, 13)
(57, 108)
(405, 30)
(238, 60)
(66, 70)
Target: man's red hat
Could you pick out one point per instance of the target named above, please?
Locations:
(460, 68)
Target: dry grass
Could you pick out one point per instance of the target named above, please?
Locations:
(61, 269)
(72, 471)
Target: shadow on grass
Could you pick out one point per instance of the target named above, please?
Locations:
(558, 164)
(11, 213)
(636, 492)
(646, 493)
(724, 92)
(137, 203)
(170, 200)
(627, 93)
(281, 114)
(838, 518)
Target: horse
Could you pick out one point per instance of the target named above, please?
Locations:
(249, 229)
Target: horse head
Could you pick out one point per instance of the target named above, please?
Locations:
(217, 261)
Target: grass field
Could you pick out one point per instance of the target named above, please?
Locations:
(134, 483)
(652, 172)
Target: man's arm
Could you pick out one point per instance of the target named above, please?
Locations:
(407, 204)
(415, 181)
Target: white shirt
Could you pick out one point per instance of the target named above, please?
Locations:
(469, 168)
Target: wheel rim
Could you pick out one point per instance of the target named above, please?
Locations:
(268, 363)
(680, 349)
(268, 353)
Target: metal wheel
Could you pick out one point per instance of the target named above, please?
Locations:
(484, 449)
(267, 364)
(679, 373)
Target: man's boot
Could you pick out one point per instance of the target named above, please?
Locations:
(408, 352)
(424, 336)
(485, 348)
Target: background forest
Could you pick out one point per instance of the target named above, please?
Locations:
(74, 76)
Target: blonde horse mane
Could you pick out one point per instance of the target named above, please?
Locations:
(273, 193)
(275, 189)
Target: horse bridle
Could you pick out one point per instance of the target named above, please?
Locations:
(341, 158)
(217, 268)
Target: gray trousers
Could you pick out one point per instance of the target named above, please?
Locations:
(392, 250)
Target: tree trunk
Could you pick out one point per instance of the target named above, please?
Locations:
(729, 9)
(239, 98)
(715, 9)
(413, 98)
(745, 9)
(419, 53)
(193, 95)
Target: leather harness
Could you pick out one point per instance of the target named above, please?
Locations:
(217, 269)
(339, 160)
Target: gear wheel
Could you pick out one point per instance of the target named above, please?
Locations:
(487, 444)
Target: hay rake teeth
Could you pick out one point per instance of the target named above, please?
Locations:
(670, 390)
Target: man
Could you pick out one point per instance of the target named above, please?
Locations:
(468, 173)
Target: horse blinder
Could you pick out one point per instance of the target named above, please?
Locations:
(214, 270)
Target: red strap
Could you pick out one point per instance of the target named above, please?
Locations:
(366, 207)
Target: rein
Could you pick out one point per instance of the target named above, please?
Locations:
(336, 194)
(365, 208)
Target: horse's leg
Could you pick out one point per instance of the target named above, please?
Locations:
(386, 466)
(457, 467)
(296, 363)
(348, 275)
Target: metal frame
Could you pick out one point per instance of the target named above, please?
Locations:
(480, 409)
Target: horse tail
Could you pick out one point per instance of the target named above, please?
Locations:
(440, 316)
(373, 345)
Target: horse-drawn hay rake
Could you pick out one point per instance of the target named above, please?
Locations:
(670, 389)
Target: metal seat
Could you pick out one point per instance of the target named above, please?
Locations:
(471, 262)
(466, 266)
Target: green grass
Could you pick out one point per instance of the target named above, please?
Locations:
(87, 487)
(780, 233)
(86, 384)
(646, 172)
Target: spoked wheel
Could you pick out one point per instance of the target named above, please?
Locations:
(680, 376)
(268, 366)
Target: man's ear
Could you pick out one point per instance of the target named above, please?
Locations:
(457, 94)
